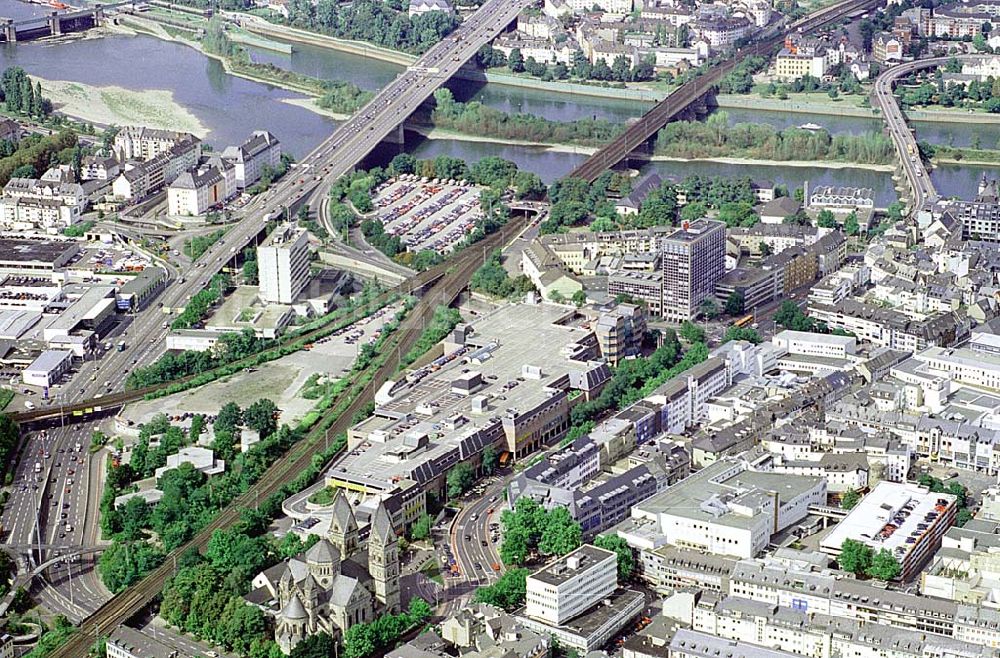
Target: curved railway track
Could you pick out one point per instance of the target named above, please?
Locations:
(450, 279)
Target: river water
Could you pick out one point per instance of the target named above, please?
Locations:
(232, 107)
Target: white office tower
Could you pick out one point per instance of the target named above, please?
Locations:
(283, 264)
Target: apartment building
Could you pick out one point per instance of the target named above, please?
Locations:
(283, 264)
(803, 633)
(890, 328)
(261, 151)
(125, 642)
(29, 203)
(141, 143)
(197, 191)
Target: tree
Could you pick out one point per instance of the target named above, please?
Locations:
(855, 556)
(851, 226)
(850, 499)
(561, 534)
(735, 303)
(320, 645)
(125, 563)
(709, 308)
(515, 62)
(626, 560)
(884, 566)
(460, 479)
(422, 527)
(748, 334)
(826, 219)
(765, 249)
(507, 593)
(692, 332)
(262, 416)
(579, 298)
(250, 272)
(692, 211)
(491, 459)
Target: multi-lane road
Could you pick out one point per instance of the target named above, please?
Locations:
(144, 335)
(918, 179)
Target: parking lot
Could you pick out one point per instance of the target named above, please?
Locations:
(428, 213)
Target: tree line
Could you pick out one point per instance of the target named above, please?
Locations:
(620, 70)
(20, 96)
(382, 23)
(716, 138)
(36, 153)
(474, 118)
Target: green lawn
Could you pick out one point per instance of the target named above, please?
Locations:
(431, 569)
(6, 395)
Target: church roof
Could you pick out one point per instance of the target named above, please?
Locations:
(323, 552)
(382, 524)
(342, 590)
(343, 515)
(294, 610)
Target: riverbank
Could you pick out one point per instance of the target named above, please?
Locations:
(311, 105)
(104, 106)
(441, 134)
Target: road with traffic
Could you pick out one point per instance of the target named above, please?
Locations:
(917, 177)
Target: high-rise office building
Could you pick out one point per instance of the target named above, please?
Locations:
(283, 264)
(693, 258)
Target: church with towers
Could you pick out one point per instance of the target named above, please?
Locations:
(341, 580)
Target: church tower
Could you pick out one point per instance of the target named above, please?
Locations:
(383, 560)
(343, 527)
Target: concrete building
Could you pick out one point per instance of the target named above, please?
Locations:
(568, 586)
(813, 344)
(905, 519)
(283, 264)
(438, 415)
(620, 332)
(966, 569)
(48, 368)
(730, 507)
(693, 260)
(202, 459)
(576, 599)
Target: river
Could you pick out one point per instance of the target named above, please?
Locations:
(230, 107)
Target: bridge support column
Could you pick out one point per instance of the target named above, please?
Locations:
(98, 16)
(55, 26)
(396, 136)
(9, 31)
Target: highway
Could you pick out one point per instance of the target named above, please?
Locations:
(917, 177)
(646, 127)
(450, 279)
(312, 177)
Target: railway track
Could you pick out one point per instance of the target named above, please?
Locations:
(450, 281)
(677, 101)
